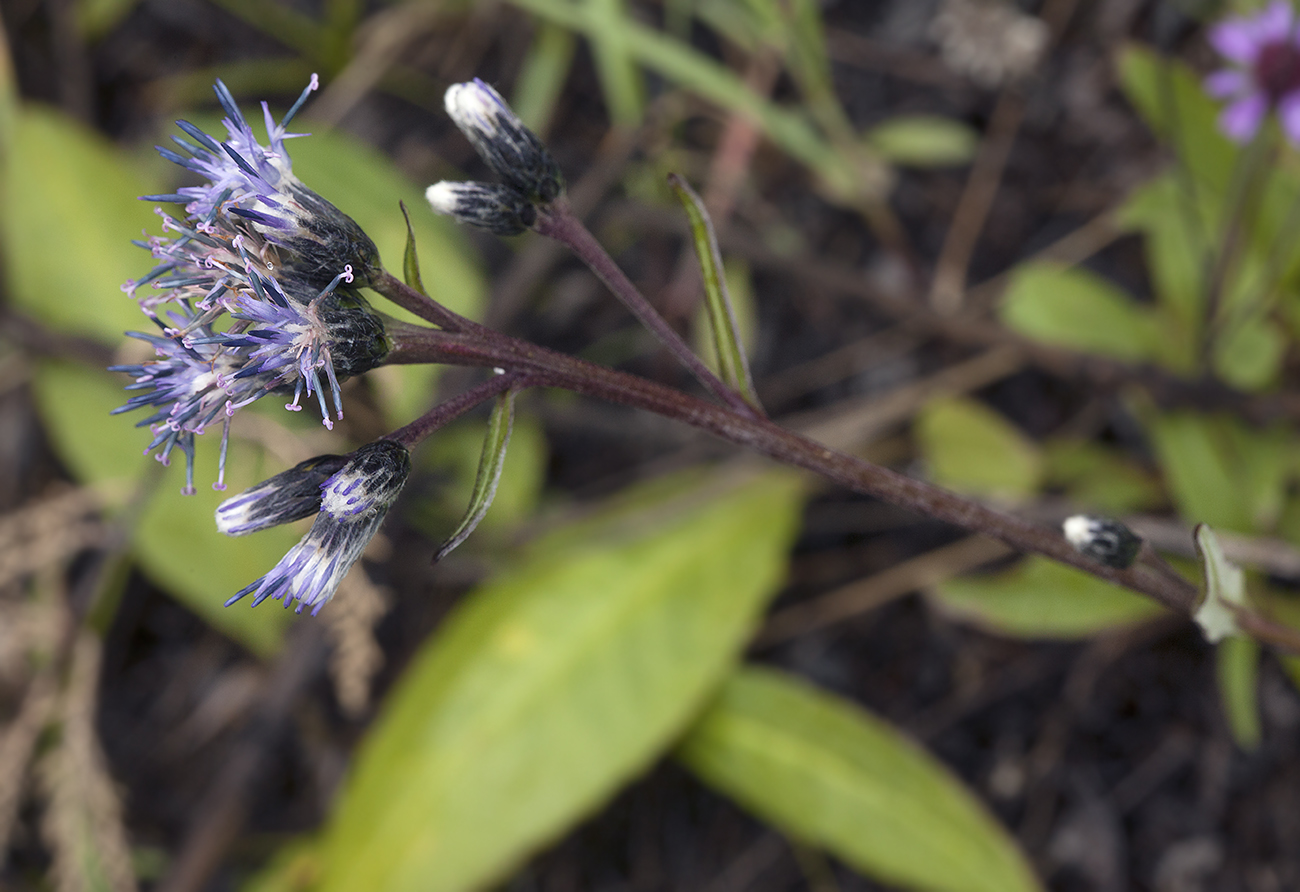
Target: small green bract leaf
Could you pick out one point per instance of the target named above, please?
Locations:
(834, 776)
(970, 448)
(554, 685)
(1225, 588)
(1039, 598)
(493, 458)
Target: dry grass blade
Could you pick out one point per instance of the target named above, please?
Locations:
(48, 532)
(82, 822)
(355, 655)
(17, 742)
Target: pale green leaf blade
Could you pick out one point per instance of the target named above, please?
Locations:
(1237, 673)
(492, 460)
(1039, 598)
(1249, 355)
(554, 685)
(71, 207)
(924, 141)
(834, 776)
(411, 256)
(970, 448)
(1077, 309)
(542, 75)
(728, 345)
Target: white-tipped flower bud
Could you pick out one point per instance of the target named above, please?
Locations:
(512, 150)
(1106, 541)
(497, 208)
(288, 496)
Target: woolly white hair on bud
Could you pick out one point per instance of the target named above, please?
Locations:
(475, 104)
(1079, 530)
(443, 197)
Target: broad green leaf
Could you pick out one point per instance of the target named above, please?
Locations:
(70, 209)
(1078, 309)
(1039, 598)
(551, 687)
(1225, 588)
(295, 867)
(1237, 665)
(970, 448)
(834, 776)
(491, 461)
(1219, 471)
(728, 346)
(924, 141)
(1169, 97)
(176, 540)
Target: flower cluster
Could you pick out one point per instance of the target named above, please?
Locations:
(530, 177)
(1264, 50)
(350, 496)
(254, 291)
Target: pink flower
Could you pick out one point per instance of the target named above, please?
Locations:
(1265, 52)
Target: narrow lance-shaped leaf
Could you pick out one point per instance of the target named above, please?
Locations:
(1237, 671)
(490, 464)
(410, 259)
(832, 775)
(732, 363)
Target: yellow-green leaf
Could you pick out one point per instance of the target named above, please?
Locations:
(970, 448)
(553, 686)
(832, 775)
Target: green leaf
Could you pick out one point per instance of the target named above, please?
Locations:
(970, 448)
(924, 141)
(493, 458)
(620, 79)
(1237, 665)
(1077, 309)
(176, 540)
(1169, 97)
(1220, 472)
(69, 212)
(554, 685)
(411, 256)
(728, 347)
(1039, 598)
(1248, 356)
(831, 775)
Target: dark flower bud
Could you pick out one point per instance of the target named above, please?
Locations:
(1106, 541)
(499, 209)
(512, 150)
(288, 496)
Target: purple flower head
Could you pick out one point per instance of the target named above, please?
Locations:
(279, 337)
(254, 187)
(1265, 52)
(352, 503)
